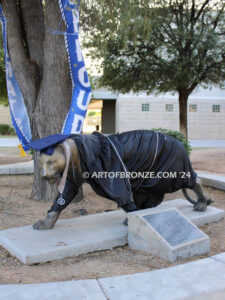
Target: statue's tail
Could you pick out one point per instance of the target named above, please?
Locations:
(188, 197)
(192, 200)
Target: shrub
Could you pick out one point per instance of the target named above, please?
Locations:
(177, 135)
(5, 129)
(91, 113)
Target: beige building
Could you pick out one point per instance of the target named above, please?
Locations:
(5, 117)
(206, 112)
(118, 113)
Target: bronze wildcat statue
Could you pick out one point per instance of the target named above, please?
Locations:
(135, 151)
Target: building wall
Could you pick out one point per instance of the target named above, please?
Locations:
(202, 124)
(5, 117)
(108, 116)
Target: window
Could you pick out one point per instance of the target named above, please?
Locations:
(145, 107)
(192, 107)
(215, 108)
(169, 107)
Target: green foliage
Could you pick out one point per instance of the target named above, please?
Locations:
(32, 153)
(158, 45)
(4, 101)
(177, 135)
(91, 113)
(5, 129)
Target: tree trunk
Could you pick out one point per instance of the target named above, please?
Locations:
(54, 96)
(183, 99)
(40, 63)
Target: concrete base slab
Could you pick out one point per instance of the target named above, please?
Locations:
(167, 234)
(212, 214)
(69, 290)
(201, 277)
(70, 237)
(87, 233)
(219, 257)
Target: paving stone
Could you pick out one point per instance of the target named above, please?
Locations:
(219, 257)
(70, 237)
(167, 234)
(217, 295)
(184, 281)
(68, 290)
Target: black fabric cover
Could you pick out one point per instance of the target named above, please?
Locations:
(140, 150)
(137, 150)
(96, 155)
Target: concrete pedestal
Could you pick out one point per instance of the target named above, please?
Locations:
(166, 233)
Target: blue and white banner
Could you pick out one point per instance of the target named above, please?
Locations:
(18, 110)
(81, 93)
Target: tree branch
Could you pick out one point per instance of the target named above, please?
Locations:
(201, 9)
(220, 13)
(192, 11)
(192, 87)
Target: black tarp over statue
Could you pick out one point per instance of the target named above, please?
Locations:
(140, 151)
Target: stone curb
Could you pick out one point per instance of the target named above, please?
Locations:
(212, 180)
(201, 279)
(17, 169)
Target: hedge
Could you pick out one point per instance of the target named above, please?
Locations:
(177, 135)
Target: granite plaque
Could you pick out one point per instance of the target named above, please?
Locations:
(173, 227)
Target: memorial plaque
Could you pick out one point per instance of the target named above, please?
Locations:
(173, 227)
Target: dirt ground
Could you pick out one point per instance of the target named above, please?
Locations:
(17, 209)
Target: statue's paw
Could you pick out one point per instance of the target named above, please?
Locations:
(200, 206)
(42, 225)
(125, 222)
(209, 201)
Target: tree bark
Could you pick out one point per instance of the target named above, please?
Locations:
(54, 97)
(24, 69)
(183, 99)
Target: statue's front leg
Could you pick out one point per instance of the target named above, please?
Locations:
(60, 203)
(48, 222)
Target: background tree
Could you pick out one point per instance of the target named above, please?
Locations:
(39, 60)
(157, 46)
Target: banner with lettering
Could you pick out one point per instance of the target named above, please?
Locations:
(81, 93)
(18, 111)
